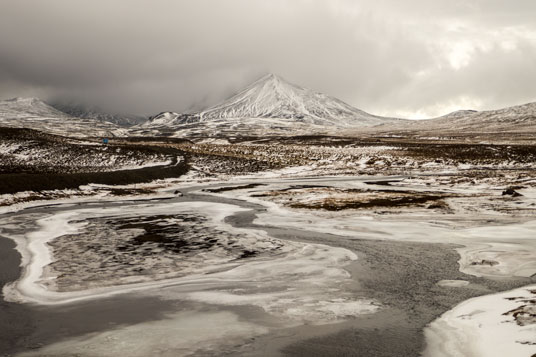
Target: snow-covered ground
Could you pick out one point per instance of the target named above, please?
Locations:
(495, 325)
(33, 155)
(300, 283)
(33, 113)
(460, 163)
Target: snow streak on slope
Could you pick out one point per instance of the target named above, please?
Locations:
(273, 97)
(269, 105)
(34, 108)
(515, 117)
(164, 119)
(34, 114)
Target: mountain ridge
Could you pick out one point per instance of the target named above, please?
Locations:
(517, 118)
(272, 99)
(34, 113)
(93, 112)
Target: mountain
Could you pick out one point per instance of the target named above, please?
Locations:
(516, 119)
(27, 108)
(92, 112)
(273, 97)
(458, 114)
(511, 119)
(35, 114)
(164, 118)
(270, 104)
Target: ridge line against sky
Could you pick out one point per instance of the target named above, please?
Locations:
(412, 59)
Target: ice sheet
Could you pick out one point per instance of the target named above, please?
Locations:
(303, 283)
(180, 334)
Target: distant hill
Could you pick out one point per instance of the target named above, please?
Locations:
(515, 119)
(35, 114)
(92, 112)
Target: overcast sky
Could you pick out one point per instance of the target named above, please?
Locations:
(411, 58)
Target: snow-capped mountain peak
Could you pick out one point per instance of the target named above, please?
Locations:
(270, 104)
(273, 97)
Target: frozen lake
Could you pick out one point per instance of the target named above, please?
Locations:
(235, 267)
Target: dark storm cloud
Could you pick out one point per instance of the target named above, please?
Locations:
(389, 57)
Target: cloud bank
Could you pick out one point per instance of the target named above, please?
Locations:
(412, 58)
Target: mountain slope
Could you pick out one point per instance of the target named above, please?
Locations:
(273, 97)
(91, 112)
(519, 118)
(511, 118)
(35, 114)
(269, 105)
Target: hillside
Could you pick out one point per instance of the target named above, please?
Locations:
(33, 113)
(92, 112)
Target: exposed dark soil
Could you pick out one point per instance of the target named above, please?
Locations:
(401, 139)
(180, 239)
(152, 139)
(12, 183)
(214, 160)
(232, 188)
(16, 179)
(290, 188)
(213, 164)
(356, 198)
(34, 152)
(338, 205)
(473, 152)
(397, 155)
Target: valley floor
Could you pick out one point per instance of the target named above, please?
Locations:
(288, 246)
